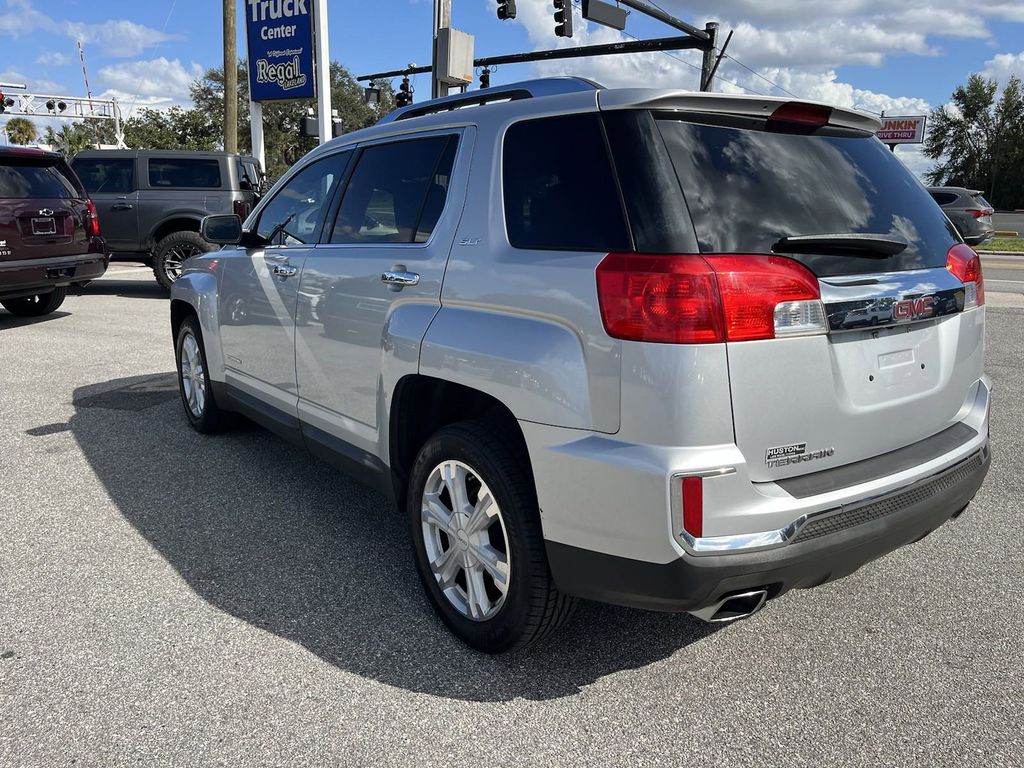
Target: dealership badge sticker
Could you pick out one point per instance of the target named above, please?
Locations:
(796, 453)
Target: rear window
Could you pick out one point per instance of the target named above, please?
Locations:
(30, 179)
(187, 173)
(110, 176)
(560, 191)
(944, 198)
(748, 188)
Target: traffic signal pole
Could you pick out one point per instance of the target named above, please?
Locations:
(442, 20)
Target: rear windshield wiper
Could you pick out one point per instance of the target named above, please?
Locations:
(850, 244)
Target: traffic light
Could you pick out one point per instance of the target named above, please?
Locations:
(6, 102)
(563, 18)
(404, 96)
(506, 9)
(485, 78)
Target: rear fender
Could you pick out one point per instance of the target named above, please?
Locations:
(536, 367)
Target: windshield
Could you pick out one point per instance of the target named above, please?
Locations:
(746, 188)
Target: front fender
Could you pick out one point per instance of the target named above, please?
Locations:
(537, 368)
(197, 287)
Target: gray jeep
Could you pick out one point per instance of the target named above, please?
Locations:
(151, 202)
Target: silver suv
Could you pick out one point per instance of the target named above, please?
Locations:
(607, 344)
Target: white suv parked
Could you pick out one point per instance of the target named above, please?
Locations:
(607, 344)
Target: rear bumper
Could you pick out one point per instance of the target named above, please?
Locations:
(901, 516)
(27, 277)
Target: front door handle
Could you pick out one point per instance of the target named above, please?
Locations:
(283, 270)
(121, 207)
(400, 279)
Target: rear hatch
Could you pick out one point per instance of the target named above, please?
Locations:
(43, 209)
(894, 356)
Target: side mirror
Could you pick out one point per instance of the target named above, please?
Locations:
(224, 229)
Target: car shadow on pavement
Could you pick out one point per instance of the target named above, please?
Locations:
(7, 320)
(263, 531)
(130, 289)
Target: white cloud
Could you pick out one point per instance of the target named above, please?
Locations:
(53, 59)
(33, 84)
(1003, 65)
(153, 82)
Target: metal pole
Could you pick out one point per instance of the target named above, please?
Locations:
(442, 19)
(708, 61)
(323, 70)
(256, 127)
(660, 15)
(230, 79)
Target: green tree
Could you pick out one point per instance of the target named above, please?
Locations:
(175, 128)
(21, 130)
(282, 120)
(978, 140)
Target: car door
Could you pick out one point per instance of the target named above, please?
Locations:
(111, 184)
(258, 299)
(385, 250)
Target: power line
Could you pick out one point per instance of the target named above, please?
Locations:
(758, 74)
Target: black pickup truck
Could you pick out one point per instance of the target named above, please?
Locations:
(151, 202)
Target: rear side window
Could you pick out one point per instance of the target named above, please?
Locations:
(28, 179)
(111, 176)
(747, 188)
(944, 198)
(397, 192)
(559, 188)
(185, 173)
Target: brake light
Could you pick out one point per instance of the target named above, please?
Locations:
(693, 506)
(965, 265)
(796, 113)
(691, 299)
(92, 220)
(241, 209)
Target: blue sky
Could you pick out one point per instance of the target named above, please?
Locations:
(872, 54)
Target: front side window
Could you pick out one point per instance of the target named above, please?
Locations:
(184, 173)
(560, 192)
(293, 216)
(106, 176)
(397, 192)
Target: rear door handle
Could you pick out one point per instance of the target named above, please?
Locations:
(121, 207)
(400, 279)
(283, 270)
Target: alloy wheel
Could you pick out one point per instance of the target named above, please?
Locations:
(175, 257)
(193, 376)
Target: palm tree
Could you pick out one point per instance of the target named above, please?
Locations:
(70, 139)
(21, 130)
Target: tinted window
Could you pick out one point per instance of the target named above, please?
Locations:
(746, 189)
(293, 215)
(22, 179)
(396, 192)
(202, 173)
(111, 176)
(560, 192)
(944, 198)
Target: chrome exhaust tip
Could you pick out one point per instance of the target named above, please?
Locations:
(733, 607)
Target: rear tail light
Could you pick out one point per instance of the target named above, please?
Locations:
(980, 213)
(92, 220)
(691, 299)
(241, 209)
(693, 506)
(965, 266)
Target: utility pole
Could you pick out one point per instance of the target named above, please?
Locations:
(230, 79)
(442, 19)
(707, 64)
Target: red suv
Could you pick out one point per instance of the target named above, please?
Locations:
(49, 232)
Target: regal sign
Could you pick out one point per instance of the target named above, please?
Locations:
(280, 43)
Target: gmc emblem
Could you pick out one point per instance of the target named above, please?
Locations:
(914, 309)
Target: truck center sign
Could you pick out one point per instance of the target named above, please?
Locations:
(902, 130)
(280, 43)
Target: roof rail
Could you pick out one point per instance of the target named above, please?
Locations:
(527, 89)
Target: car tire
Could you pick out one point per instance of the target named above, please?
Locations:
(171, 252)
(36, 306)
(201, 407)
(450, 550)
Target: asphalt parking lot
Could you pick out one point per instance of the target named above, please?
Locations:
(167, 598)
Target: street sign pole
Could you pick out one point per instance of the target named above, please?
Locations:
(323, 70)
(259, 150)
